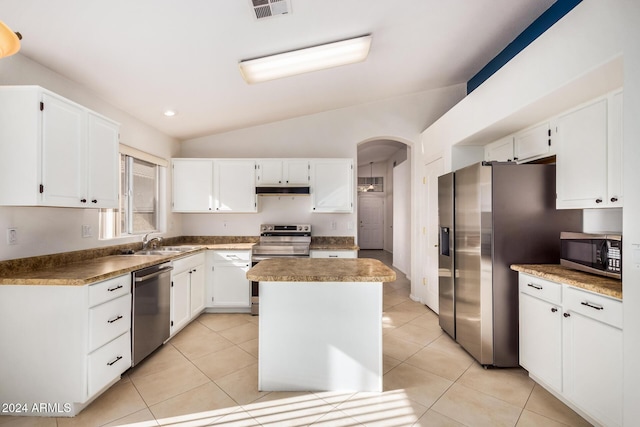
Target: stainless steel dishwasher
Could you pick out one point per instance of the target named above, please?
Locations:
(150, 310)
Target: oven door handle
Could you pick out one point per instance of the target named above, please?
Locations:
(152, 275)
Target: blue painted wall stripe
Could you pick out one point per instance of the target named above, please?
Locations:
(552, 15)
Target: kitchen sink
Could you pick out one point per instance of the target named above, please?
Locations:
(156, 252)
(166, 250)
(181, 248)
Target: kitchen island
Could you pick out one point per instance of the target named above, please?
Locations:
(320, 325)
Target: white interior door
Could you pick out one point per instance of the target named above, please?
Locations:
(371, 220)
(432, 171)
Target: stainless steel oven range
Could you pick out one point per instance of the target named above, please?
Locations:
(277, 241)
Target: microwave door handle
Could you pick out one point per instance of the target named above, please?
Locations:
(604, 255)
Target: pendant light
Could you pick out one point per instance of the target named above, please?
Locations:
(371, 187)
(9, 41)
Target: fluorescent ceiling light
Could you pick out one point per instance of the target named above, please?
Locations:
(305, 60)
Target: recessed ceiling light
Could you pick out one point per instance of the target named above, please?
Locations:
(170, 113)
(305, 60)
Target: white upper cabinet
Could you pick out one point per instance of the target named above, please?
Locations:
(55, 152)
(272, 172)
(234, 185)
(533, 143)
(589, 163)
(192, 185)
(500, 150)
(614, 151)
(102, 154)
(332, 185)
(214, 185)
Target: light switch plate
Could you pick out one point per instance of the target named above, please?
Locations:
(12, 236)
(86, 231)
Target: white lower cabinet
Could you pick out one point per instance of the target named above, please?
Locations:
(571, 343)
(63, 344)
(541, 329)
(187, 290)
(229, 288)
(323, 253)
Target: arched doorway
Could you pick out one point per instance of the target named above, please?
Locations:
(384, 199)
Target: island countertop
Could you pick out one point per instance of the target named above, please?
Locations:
(321, 270)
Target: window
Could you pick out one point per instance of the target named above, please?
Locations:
(370, 184)
(139, 192)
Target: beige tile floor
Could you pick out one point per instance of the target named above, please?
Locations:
(207, 375)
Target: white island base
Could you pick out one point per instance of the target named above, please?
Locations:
(319, 336)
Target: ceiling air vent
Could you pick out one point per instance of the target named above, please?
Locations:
(268, 8)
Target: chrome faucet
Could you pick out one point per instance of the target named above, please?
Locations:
(153, 242)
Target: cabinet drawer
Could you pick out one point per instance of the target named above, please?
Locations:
(333, 254)
(187, 263)
(231, 256)
(540, 288)
(109, 289)
(108, 321)
(598, 307)
(108, 362)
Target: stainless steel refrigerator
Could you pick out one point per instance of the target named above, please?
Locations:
(492, 215)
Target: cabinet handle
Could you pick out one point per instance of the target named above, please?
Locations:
(594, 306)
(94, 201)
(566, 315)
(115, 319)
(614, 199)
(553, 309)
(598, 200)
(114, 361)
(115, 288)
(538, 287)
(83, 200)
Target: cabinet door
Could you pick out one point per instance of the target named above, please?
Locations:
(63, 136)
(103, 162)
(582, 157)
(532, 143)
(593, 367)
(332, 185)
(269, 172)
(296, 172)
(192, 185)
(235, 186)
(197, 290)
(231, 288)
(180, 299)
(541, 340)
(614, 148)
(499, 151)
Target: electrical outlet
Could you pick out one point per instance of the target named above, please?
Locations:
(12, 236)
(86, 231)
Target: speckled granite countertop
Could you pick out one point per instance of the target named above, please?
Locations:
(559, 273)
(80, 268)
(321, 270)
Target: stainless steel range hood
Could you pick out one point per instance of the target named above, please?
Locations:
(276, 191)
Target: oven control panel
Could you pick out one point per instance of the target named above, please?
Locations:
(285, 228)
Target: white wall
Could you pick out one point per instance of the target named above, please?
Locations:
(630, 25)
(335, 133)
(402, 217)
(51, 230)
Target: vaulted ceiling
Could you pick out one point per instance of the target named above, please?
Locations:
(145, 56)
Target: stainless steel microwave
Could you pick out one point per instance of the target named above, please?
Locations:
(593, 253)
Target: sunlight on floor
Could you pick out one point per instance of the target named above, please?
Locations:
(391, 408)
